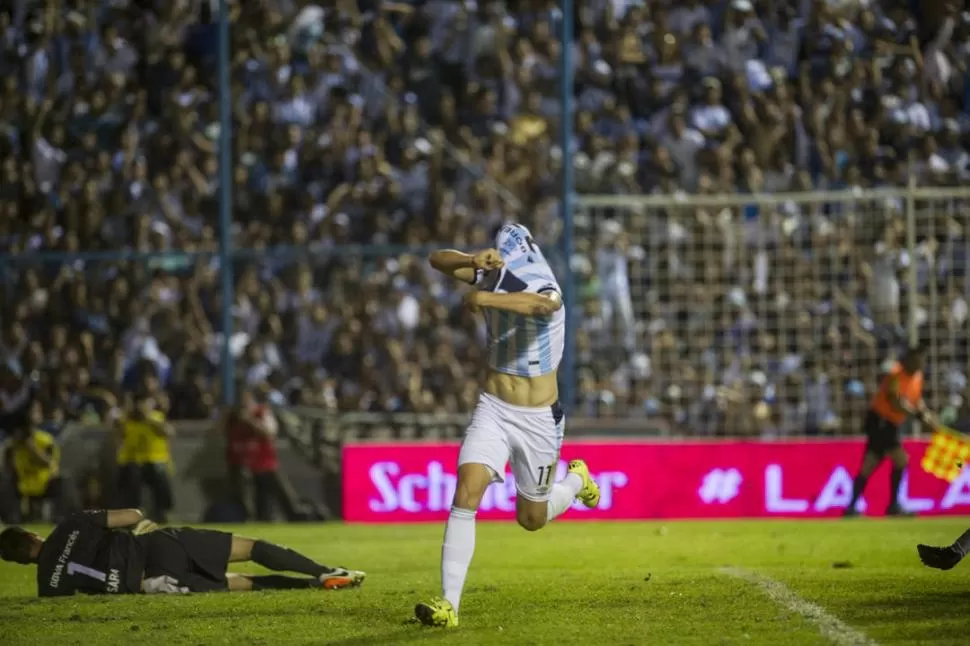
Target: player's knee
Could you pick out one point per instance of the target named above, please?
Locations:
(531, 523)
(241, 549)
(531, 517)
(467, 498)
(473, 480)
(238, 582)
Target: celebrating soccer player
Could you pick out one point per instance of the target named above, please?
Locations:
(121, 552)
(900, 396)
(518, 418)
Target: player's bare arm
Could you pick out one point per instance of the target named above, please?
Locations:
(522, 303)
(465, 267)
(123, 518)
(134, 520)
(926, 415)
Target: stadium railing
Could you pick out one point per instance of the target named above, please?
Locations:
(722, 287)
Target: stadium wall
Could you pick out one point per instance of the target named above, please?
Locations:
(200, 476)
(384, 480)
(414, 481)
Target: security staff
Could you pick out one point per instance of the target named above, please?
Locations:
(144, 455)
(33, 458)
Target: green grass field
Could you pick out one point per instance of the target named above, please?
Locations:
(572, 583)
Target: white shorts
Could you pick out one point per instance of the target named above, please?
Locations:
(527, 438)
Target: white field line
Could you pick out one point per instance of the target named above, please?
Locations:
(831, 627)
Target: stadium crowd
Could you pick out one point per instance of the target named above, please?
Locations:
(408, 124)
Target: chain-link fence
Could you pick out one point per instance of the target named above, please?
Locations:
(767, 315)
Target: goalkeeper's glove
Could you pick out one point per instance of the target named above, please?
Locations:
(163, 585)
(143, 526)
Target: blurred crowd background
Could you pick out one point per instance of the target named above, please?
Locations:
(399, 125)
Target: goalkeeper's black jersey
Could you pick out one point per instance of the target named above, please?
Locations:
(83, 555)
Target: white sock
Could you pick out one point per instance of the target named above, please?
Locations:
(456, 553)
(563, 494)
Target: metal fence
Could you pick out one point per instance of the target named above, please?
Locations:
(768, 314)
(704, 315)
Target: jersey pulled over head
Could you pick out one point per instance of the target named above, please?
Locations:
(526, 268)
(514, 241)
(520, 345)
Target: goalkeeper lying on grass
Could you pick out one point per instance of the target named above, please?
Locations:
(121, 552)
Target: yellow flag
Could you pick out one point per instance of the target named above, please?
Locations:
(946, 454)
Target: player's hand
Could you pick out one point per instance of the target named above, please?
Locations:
(488, 260)
(549, 304)
(163, 585)
(144, 526)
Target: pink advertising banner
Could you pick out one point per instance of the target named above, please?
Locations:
(414, 482)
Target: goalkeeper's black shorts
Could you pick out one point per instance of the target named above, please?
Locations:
(882, 435)
(196, 558)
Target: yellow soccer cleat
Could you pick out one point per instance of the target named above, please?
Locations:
(438, 613)
(589, 495)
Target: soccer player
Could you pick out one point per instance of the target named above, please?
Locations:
(944, 558)
(900, 396)
(119, 551)
(518, 418)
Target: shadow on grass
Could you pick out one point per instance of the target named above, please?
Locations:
(920, 615)
(406, 634)
(89, 613)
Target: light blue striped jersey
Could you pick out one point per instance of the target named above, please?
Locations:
(526, 346)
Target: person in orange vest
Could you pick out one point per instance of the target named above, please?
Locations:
(900, 397)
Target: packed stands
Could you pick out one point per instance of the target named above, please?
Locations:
(364, 127)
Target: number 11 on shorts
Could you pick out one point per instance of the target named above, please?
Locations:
(545, 475)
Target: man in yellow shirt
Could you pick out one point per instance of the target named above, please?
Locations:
(144, 456)
(33, 459)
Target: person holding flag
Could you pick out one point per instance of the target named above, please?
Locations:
(900, 396)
